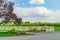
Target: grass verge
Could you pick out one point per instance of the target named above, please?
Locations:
(6, 34)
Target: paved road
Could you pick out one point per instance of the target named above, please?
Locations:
(37, 36)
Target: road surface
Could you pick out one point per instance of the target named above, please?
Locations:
(37, 36)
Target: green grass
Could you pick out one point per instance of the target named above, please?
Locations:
(57, 28)
(31, 24)
(6, 34)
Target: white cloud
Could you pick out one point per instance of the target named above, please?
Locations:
(31, 19)
(10, 0)
(34, 13)
(32, 10)
(37, 2)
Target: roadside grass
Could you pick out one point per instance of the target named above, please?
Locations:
(6, 34)
(57, 28)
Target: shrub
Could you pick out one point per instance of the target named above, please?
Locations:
(23, 32)
(13, 30)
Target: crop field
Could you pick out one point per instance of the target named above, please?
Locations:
(29, 26)
(19, 28)
(25, 28)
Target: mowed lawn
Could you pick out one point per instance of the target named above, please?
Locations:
(57, 28)
(6, 34)
(13, 34)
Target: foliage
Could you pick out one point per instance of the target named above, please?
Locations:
(31, 24)
(6, 34)
(13, 30)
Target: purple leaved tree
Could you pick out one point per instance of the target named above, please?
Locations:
(6, 13)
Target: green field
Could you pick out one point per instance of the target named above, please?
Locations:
(26, 28)
(57, 28)
(2, 34)
(30, 25)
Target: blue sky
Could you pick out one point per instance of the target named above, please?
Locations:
(51, 4)
(37, 10)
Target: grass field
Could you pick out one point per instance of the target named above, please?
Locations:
(13, 34)
(30, 26)
(57, 28)
(24, 27)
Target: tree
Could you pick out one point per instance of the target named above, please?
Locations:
(7, 13)
(18, 21)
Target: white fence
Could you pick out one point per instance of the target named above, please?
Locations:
(24, 28)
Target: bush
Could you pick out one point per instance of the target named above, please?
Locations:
(23, 32)
(13, 30)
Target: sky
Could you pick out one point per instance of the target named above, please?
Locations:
(37, 10)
